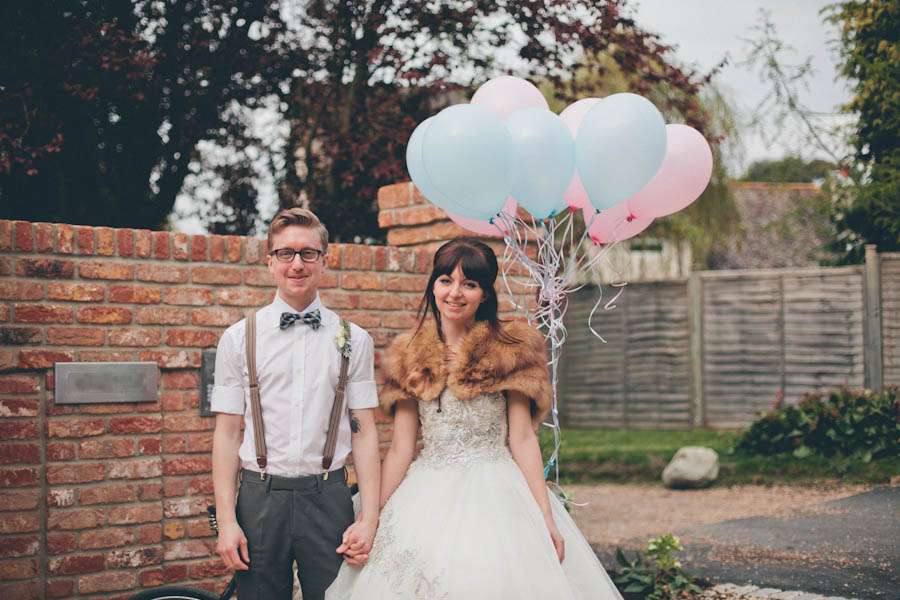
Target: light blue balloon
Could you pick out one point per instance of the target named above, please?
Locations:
(620, 145)
(543, 160)
(421, 179)
(466, 152)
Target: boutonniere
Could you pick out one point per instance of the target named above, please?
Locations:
(342, 339)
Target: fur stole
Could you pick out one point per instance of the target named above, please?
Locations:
(415, 366)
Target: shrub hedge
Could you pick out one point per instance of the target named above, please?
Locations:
(858, 424)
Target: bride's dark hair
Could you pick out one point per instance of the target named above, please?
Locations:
(478, 263)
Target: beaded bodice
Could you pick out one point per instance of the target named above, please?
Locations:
(461, 432)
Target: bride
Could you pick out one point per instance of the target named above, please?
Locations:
(471, 517)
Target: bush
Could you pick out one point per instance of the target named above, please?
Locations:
(656, 574)
(857, 424)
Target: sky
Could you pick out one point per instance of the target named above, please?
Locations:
(705, 31)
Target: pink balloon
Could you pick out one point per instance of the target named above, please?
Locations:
(506, 94)
(681, 178)
(613, 225)
(573, 114)
(485, 228)
(575, 195)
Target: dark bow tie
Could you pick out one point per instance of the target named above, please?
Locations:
(313, 318)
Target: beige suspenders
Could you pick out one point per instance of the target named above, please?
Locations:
(259, 436)
(337, 406)
(334, 422)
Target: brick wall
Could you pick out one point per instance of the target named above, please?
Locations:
(413, 221)
(98, 500)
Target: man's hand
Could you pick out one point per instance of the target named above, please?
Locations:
(357, 542)
(232, 541)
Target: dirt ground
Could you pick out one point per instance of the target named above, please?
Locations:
(630, 514)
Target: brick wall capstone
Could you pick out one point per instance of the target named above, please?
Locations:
(414, 222)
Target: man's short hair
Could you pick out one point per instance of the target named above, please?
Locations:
(300, 217)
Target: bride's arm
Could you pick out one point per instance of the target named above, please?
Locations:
(403, 446)
(526, 451)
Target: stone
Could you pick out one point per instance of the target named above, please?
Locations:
(744, 590)
(691, 467)
(766, 592)
(787, 595)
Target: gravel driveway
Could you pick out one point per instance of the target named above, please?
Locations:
(830, 540)
(627, 515)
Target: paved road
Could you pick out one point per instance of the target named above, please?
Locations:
(848, 547)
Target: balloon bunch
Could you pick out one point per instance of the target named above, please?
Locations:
(614, 160)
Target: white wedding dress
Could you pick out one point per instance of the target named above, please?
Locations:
(463, 524)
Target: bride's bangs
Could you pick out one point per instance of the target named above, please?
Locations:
(473, 260)
(475, 267)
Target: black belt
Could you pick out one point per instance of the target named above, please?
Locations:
(307, 483)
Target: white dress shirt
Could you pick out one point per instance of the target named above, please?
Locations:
(298, 371)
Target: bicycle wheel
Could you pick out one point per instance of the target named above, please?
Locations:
(174, 592)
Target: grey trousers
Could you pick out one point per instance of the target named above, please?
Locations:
(288, 520)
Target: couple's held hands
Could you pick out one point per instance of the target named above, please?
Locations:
(558, 543)
(232, 546)
(357, 542)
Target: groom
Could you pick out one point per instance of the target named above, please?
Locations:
(293, 504)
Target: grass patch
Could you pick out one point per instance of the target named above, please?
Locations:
(626, 455)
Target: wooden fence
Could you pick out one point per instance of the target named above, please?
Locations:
(717, 349)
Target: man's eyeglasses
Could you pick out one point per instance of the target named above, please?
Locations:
(286, 255)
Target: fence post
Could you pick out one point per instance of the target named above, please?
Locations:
(872, 354)
(695, 325)
(625, 378)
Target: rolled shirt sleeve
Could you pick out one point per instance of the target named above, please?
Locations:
(228, 390)
(361, 389)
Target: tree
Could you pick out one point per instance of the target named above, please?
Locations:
(367, 73)
(788, 169)
(870, 51)
(106, 122)
(864, 193)
(103, 103)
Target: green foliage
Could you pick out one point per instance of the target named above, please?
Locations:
(876, 212)
(870, 52)
(656, 574)
(858, 425)
(788, 169)
(867, 213)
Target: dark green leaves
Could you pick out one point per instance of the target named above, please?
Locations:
(857, 424)
(654, 574)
